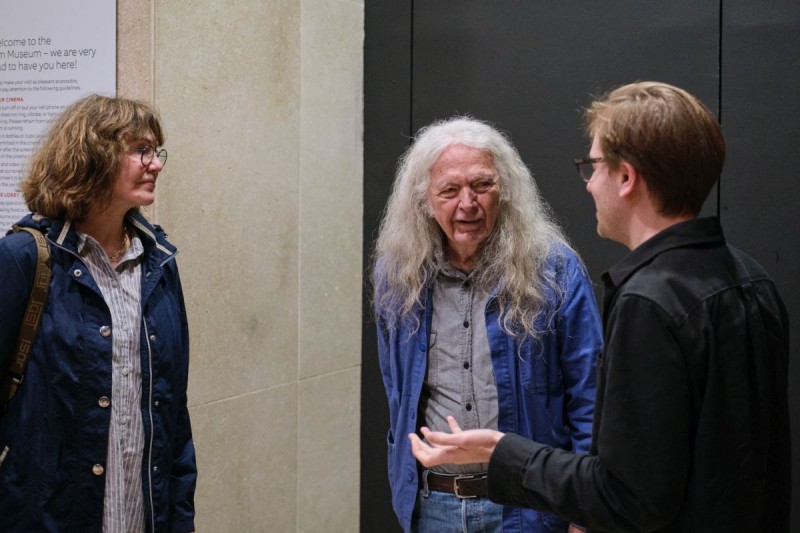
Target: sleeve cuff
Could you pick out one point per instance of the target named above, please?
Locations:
(507, 468)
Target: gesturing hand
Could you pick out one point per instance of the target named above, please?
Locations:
(458, 447)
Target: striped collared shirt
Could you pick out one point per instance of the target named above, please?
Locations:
(123, 503)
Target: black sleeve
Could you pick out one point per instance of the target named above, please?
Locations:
(637, 480)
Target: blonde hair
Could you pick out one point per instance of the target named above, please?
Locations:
(513, 258)
(77, 164)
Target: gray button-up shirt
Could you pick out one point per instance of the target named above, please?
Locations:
(459, 380)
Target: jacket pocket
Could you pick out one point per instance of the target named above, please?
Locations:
(540, 374)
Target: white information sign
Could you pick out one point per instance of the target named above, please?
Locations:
(52, 53)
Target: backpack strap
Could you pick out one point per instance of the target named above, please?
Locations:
(32, 317)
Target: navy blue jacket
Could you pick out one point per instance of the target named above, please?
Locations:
(55, 430)
(545, 388)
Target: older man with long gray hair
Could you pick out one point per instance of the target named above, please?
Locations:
(484, 313)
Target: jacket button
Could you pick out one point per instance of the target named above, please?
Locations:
(103, 402)
(153, 337)
(105, 331)
(77, 273)
(155, 468)
(98, 470)
(156, 403)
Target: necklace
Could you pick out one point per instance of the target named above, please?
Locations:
(122, 245)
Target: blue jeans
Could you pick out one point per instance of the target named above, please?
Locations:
(439, 512)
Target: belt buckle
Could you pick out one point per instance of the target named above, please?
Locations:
(457, 492)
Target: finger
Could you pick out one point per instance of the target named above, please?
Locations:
(454, 427)
(416, 443)
(419, 444)
(439, 438)
(420, 449)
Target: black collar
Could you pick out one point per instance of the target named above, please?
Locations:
(694, 232)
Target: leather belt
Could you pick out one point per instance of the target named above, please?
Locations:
(463, 486)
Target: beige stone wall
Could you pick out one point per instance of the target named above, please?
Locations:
(262, 103)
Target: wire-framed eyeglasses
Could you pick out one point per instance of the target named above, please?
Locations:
(586, 166)
(148, 153)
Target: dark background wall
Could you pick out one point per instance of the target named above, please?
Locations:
(529, 68)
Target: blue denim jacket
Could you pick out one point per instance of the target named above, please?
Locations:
(56, 428)
(545, 387)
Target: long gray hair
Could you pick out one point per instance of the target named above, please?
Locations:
(513, 258)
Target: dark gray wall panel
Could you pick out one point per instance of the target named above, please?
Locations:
(529, 69)
(760, 186)
(387, 97)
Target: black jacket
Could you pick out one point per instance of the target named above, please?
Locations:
(691, 420)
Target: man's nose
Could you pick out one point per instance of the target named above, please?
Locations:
(466, 197)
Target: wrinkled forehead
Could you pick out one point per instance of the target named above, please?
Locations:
(463, 158)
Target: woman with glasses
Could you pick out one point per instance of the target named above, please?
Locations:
(97, 435)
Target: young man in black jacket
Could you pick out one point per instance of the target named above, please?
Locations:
(691, 429)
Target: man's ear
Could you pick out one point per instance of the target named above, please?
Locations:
(630, 179)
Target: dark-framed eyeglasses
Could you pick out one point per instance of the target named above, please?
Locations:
(586, 166)
(148, 153)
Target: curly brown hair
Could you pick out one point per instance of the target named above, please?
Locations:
(79, 159)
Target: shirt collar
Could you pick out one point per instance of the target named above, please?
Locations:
(694, 232)
(135, 248)
(448, 271)
(62, 232)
